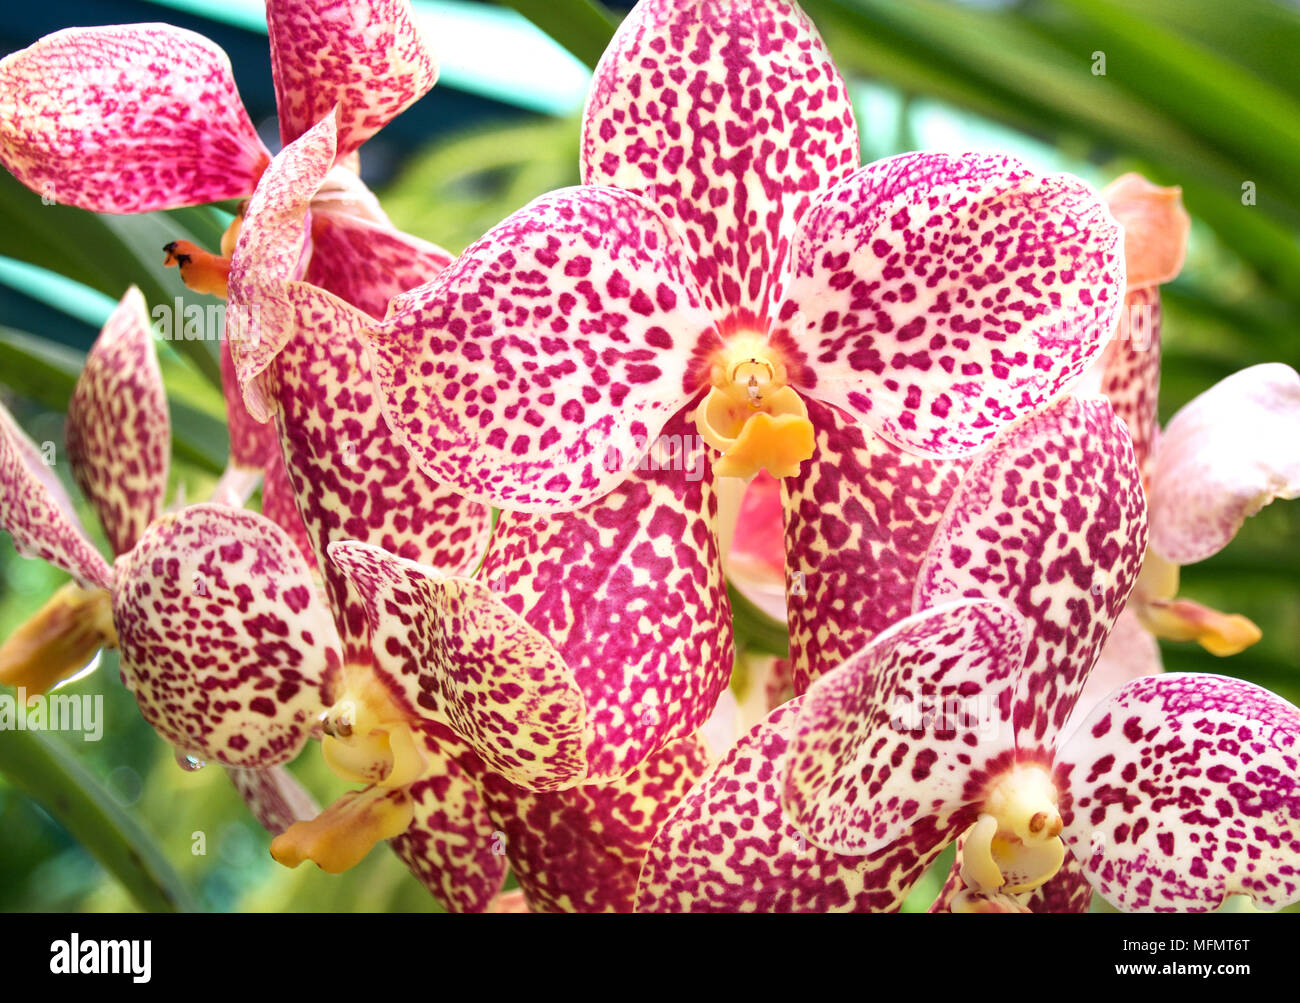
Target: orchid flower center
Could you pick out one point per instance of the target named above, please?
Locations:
(368, 740)
(751, 415)
(1015, 846)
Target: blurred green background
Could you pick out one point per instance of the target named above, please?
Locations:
(1195, 93)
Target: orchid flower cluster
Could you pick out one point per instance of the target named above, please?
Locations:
(503, 491)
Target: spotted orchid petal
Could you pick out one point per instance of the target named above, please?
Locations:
(274, 797)
(456, 652)
(118, 431)
(229, 652)
(581, 849)
(352, 480)
(369, 58)
(37, 512)
(252, 443)
(1129, 370)
(1182, 789)
(942, 297)
(368, 263)
(452, 846)
(581, 309)
(1131, 652)
(629, 591)
(726, 847)
(272, 248)
(128, 118)
(730, 116)
(1222, 458)
(280, 505)
(903, 730)
(1052, 521)
(859, 518)
(1156, 228)
(1066, 891)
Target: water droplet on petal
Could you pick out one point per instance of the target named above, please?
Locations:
(188, 763)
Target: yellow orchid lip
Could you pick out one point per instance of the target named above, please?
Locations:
(751, 416)
(340, 837)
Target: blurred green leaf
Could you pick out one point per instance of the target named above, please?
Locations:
(584, 27)
(109, 253)
(42, 769)
(463, 186)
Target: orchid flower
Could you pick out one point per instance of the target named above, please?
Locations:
(199, 602)
(1220, 459)
(1001, 600)
(136, 118)
(726, 251)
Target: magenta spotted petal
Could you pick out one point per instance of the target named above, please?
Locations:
(888, 738)
(1130, 370)
(858, 521)
(252, 443)
(731, 117)
(37, 512)
(229, 652)
(273, 246)
(940, 297)
(581, 849)
(535, 369)
(368, 263)
(369, 56)
(118, 431)
(1051, 521)
(457, 653)
(1182, 789)
(629, 590)
(128, 118)
(728, 848)
(453, 845)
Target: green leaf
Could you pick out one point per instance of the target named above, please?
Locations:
(46, 772)
(584, 27)
(46, 373)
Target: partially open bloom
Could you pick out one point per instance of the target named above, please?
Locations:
(221, 636)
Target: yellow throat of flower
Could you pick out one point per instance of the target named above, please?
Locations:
(368, 740)
(751, 415)
(1015, 846)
